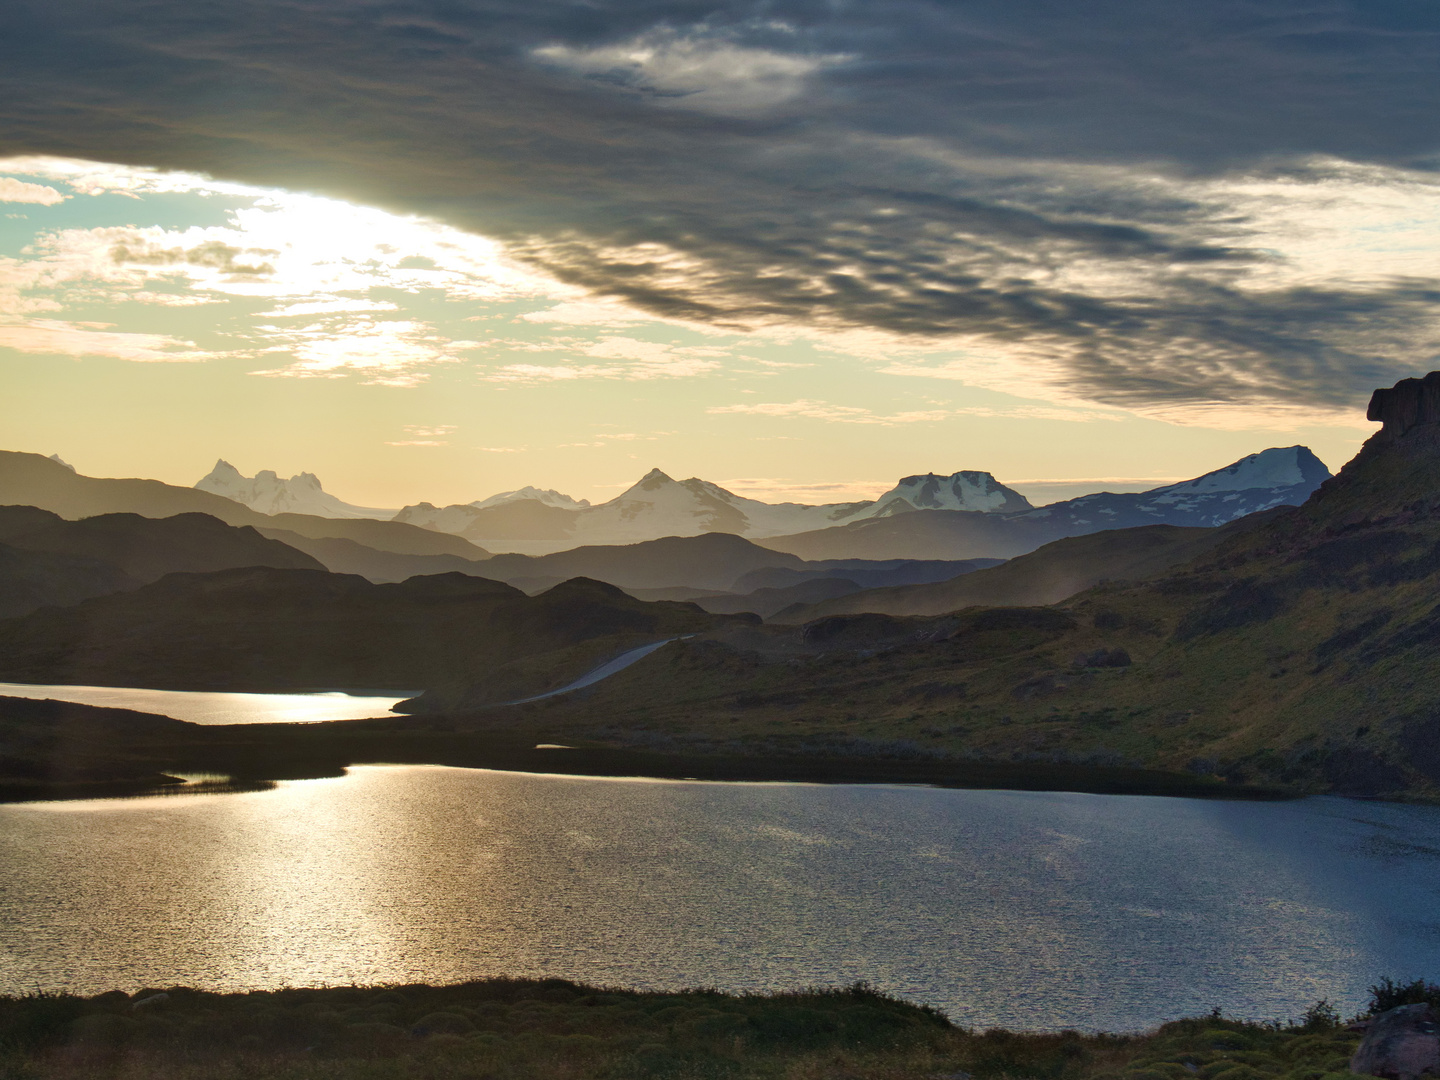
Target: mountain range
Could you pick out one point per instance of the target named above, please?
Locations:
(971, 514)
(1295, 648)
(34, 480)
(1292, 648)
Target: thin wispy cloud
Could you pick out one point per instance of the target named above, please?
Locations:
(424, 436)
(837, 414)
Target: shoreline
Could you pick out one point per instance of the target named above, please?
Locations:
(611, 763)
(543, 1028)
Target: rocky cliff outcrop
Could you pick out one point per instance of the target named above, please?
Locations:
(1407, 404)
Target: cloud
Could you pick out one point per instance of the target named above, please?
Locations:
(637, 360)
(1183, 210)
(390, 352)
(425, 436)
(838, 414)
(18, 191)
(72, 339)
(772, 490)
(697, 69)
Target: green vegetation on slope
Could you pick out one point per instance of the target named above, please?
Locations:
(518, 1030)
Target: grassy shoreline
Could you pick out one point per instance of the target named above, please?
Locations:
(56, 750)
(502, 1029)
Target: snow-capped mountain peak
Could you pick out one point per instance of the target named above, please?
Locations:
(967, 490)
(267, 493)
(1278, 467)
(548, 496)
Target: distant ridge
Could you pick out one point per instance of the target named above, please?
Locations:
(1281, 476)
(533, 522)
(35, 480)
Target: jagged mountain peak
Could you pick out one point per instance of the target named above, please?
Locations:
(267, 493)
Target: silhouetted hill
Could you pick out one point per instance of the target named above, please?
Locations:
(707, 561)
(921, 534)
(149, 548)
(260, 628)
(32, 480)
(35, 579)
(766, 602)
(348, 557)
(1044, 576)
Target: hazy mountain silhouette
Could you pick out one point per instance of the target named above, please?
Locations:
(33, 480)
(149, 548)
(1047, 575)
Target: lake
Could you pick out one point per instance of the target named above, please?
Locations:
(209, 707)
(1023, 909)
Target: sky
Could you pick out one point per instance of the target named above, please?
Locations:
(435, 250)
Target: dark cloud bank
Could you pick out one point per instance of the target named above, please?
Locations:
(922, 168)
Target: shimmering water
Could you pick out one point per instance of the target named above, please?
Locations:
(1025, 909)
(205, 707)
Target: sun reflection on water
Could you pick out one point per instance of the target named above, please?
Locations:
(999, 907)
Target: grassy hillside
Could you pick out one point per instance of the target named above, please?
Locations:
(559, 1030)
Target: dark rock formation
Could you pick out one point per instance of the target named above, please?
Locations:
(1406, 404)
(1401, 1044)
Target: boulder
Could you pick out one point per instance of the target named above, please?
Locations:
(1401, 1044)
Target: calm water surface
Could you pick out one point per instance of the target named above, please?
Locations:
(1029, 910)
(205, 707)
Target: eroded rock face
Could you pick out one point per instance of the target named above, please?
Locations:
(1406, 404)
(1401, 1044)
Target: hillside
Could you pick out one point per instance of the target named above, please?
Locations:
(708, 561)
(922, 534)
(342, 556)
(33, 480)
(1300, 653)
(268, 629)
(1047, 575)
(149, 548)
(35, 579)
